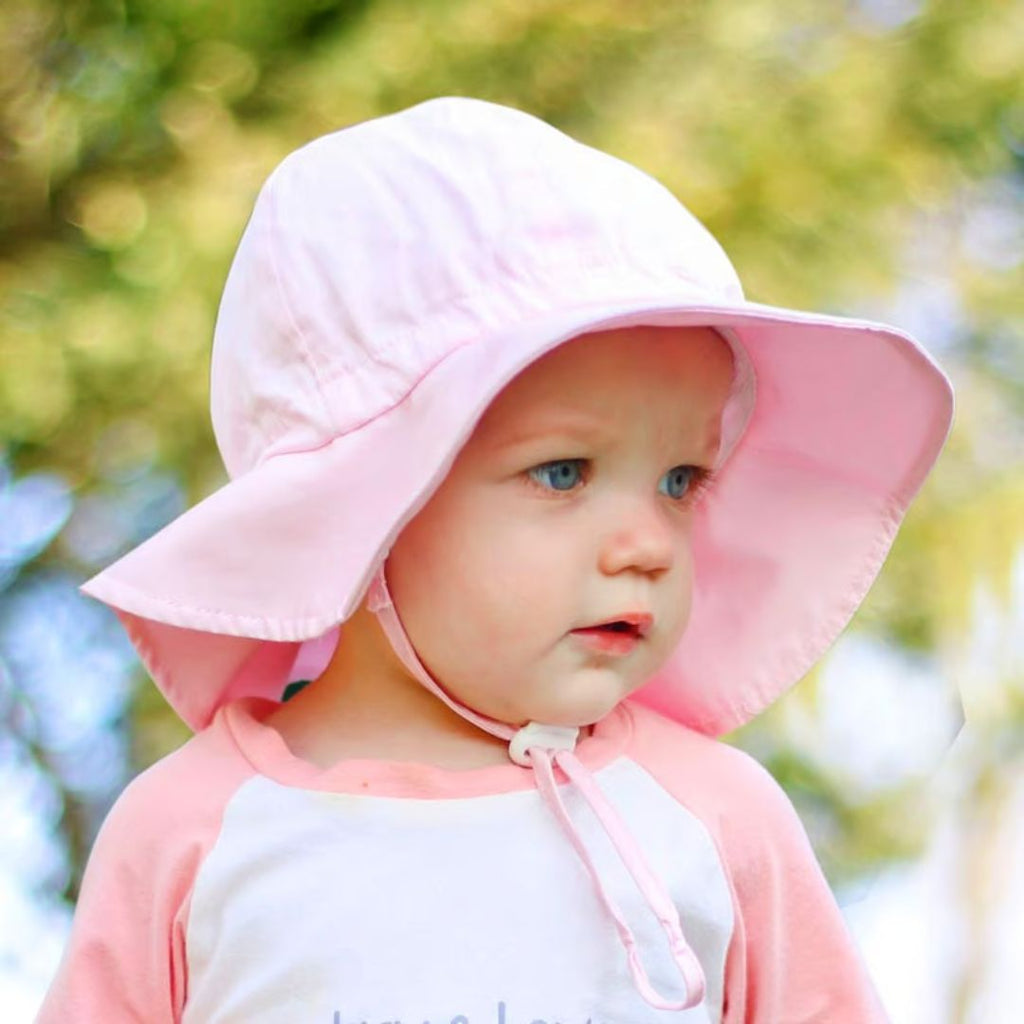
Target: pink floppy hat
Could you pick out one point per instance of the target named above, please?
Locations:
(396, 275)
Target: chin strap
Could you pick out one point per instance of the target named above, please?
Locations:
(542, 747)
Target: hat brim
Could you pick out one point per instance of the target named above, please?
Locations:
(849, 417)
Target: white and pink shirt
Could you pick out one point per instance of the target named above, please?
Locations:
(234, 882)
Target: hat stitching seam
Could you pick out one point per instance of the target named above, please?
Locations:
(440, 310)
(359, 425)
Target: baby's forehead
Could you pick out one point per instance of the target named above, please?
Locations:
(602, 384)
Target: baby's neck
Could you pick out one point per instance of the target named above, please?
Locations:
(364, 705)
(327, 723)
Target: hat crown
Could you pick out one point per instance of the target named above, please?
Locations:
(375, 251)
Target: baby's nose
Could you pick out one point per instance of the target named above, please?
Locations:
(642, 537)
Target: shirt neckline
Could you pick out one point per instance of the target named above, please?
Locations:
(265, 749)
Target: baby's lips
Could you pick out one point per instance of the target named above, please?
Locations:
(639, 622)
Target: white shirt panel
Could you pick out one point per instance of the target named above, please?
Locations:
(341, 909)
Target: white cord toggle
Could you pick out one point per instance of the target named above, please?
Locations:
(547, 737)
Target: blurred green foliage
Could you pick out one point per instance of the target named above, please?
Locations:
(844, 153)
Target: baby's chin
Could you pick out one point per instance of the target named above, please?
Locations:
(578, 707)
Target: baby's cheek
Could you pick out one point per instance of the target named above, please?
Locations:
(676, 622)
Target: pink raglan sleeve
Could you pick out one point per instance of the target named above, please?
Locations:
(791, 958)
(125, 958)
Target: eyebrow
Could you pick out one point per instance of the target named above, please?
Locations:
(582, 427)
(560, 425)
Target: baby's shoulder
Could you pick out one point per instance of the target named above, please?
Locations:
(179, 798)
(722, 784)
(661, 739)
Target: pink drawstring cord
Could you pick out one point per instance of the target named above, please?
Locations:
(540, 747)
(627, 848)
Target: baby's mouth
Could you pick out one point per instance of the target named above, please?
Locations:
(635, 624)
(614, 637)
(618, 626)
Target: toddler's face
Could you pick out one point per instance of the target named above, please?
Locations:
(571, 505)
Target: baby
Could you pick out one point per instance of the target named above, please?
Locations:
(528, 505)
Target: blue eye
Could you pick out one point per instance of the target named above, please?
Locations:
(562, 475)
(676, 482)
